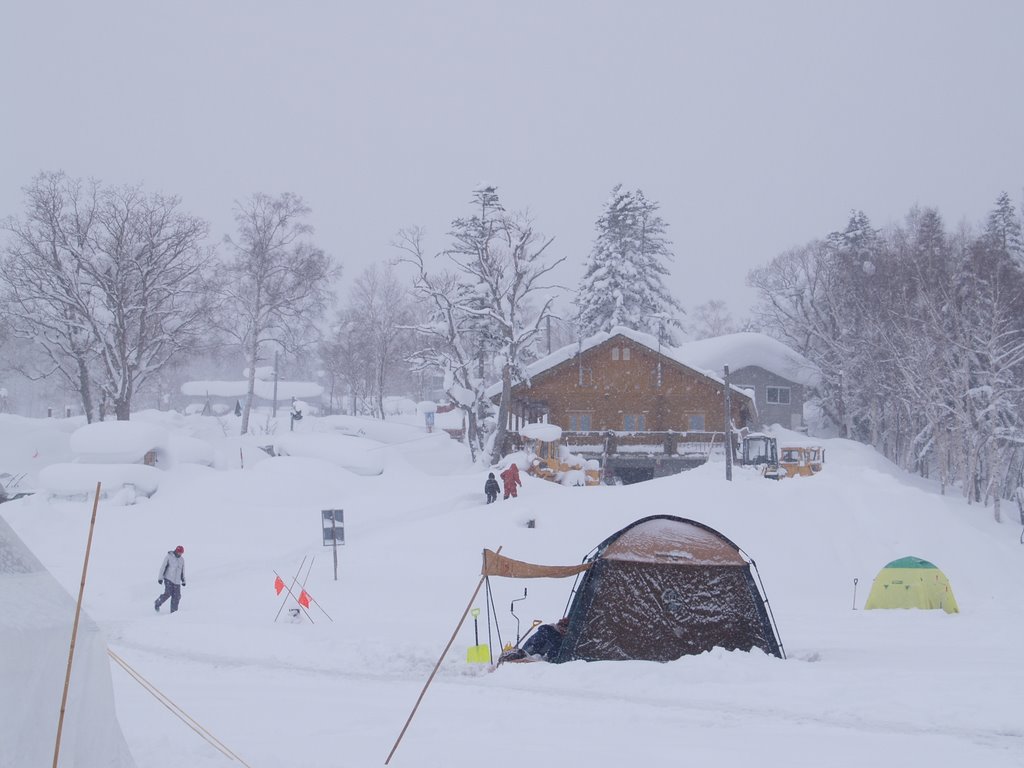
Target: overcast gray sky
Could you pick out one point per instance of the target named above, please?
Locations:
(756, 125)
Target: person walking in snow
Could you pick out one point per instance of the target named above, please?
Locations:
(510, 477)
(491, 488)
(172, 577)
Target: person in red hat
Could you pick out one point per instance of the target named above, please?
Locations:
(172, 577)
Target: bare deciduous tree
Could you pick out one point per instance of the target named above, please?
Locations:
(278, 283)
(147, 278)
(107, 281)
(380, 315)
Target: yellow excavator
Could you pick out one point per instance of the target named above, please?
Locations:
(802, 461)
(761, 450)
(550, 460)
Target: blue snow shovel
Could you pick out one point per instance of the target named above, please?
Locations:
(478, 654)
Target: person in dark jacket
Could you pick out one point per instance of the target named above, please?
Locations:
(491, 488)
(543, 645)
(172, 577)
(510, 477)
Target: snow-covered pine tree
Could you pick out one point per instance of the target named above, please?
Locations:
(1003, 230)
(623, 283)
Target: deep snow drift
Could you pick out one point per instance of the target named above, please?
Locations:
(858, 686)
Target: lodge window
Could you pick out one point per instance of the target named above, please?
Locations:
(778, 395)
(633, 422)
(696, 422)
(579, 422)
(615, 353)
(625, 353)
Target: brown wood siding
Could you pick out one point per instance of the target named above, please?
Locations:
(611, 389)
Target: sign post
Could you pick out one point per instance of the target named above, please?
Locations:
(333, 521)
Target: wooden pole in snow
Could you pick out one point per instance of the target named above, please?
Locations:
(437, 666)
(74, 629)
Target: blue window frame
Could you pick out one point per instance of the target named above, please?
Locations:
(633, 422)
(579, 422)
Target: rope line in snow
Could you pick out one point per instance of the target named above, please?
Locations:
(176, 710)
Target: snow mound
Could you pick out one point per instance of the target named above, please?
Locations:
(549, 433)
(183, 449)
(79, 480)
(116, 442)
(388, 432)
(355, 454)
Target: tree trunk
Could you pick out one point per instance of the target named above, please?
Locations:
(123, 408)
(251, 389)
(472, 433)
(85, 390)
(503, 409)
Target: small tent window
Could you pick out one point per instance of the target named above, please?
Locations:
(778, 395)
(615, 353)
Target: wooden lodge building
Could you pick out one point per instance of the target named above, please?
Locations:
(622, 399)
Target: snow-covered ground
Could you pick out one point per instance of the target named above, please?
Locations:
(858, 687)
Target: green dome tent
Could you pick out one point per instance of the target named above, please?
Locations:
(911, 582)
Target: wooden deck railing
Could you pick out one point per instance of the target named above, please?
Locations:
(612, 443)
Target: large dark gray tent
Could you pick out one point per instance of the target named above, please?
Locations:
(664, 587)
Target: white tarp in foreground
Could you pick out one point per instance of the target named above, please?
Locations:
(35, 633)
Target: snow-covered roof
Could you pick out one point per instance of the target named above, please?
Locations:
(569, 351)
(263, 389)
(740, 350)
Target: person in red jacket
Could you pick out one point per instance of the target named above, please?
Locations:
(510, 477)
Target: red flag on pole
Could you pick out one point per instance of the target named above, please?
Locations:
(278, 585)
(304, 599)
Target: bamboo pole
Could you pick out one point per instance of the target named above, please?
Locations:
(437, 666)
(293, 597)
(74, 629)
(311, 598)
(297, 574)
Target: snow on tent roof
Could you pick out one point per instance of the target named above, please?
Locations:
(35, 630)
(264, 390)
(665, 540)
(117, 441)
(739, 350)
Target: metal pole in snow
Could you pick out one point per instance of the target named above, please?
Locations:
(275, 383)
(855, 594)
(728, 428)
(334, 542)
